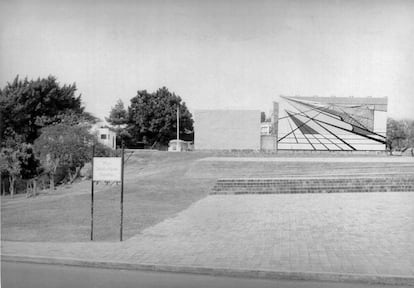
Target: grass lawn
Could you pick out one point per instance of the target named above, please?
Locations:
(156, 187)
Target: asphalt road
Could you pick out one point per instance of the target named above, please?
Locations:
(21, 275)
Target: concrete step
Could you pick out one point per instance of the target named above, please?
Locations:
(234, 169)
(403, 183)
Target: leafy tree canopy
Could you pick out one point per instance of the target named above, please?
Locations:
(27, 106)
(118, 114)
(64, 145)
(400, 134)
(153, 118)
(118, 117)
(18, 161)
(67, 142)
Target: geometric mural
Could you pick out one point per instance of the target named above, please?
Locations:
(332, 123)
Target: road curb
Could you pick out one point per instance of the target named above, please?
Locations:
(219, 271)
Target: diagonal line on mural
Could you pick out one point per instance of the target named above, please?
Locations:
(339, 138)
(363, 132)
(304, 128)
(353, 118)
(291, 128)
(304, 123)
(353, 131)
(298, 113)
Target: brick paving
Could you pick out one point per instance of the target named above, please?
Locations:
(314, 185)
(328, 159)
(364, 233)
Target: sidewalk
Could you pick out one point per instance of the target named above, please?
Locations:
(323, 159)
(350, 233)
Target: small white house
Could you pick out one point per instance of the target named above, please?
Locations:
(265, 128)
(107, 137)
(180, 145)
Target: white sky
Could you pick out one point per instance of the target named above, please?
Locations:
(214, 54)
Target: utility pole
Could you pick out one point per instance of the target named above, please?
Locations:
(178, 128)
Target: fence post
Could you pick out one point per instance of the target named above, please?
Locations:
(122, 192)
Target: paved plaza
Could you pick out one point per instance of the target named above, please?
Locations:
(362, 233)
(315, 158)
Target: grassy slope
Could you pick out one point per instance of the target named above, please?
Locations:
(155, 188)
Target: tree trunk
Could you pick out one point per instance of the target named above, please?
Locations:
(52, 182)
(34, 188)
(75, 175)
(153, 145)
(11, 188)
(27, 188)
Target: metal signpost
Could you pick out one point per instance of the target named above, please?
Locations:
(93, 156)
(122, 194)
(108, 169)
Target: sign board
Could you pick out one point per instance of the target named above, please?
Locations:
(107, 168)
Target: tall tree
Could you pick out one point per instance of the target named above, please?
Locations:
(3, 171)
(27, 106)
(397, 134)
(11, 166)
(118, 115)
(410, 133)
(152, 117)
(15, 162)
(64, 145)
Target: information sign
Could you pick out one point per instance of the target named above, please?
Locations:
(107, 169)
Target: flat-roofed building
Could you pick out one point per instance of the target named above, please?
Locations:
(297, 123)
(105, 135)
(227, 130)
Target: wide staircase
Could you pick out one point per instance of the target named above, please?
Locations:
(276, 169)
(385, 183)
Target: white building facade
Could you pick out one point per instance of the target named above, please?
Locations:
(107, 137)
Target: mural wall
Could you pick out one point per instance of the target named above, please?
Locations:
(332, 123)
